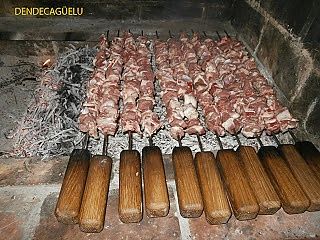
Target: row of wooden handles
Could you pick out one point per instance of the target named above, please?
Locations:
(254, 183)
(251, 183)
(84, 191)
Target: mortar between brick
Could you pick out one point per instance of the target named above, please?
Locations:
(183, 222)
(295, 44)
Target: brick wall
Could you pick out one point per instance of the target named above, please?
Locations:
(285, 36)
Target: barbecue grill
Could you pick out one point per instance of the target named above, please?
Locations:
(160, 119)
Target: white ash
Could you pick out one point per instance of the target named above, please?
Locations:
(50, 125)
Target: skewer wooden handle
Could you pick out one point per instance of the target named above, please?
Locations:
(155, 187)
(241, 196)
(300, 169)
(130, 190)
(259, 181)
(94, 201)
(69, 201)
(311, 154)
(188, 190)
(216, 206)
(292, 197)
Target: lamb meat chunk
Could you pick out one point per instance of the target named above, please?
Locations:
(177, 132)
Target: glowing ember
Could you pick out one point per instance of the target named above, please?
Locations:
(46, 63)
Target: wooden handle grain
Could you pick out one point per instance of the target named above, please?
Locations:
(311, 155)
(94, 201)
(130, 189)
(69, 201)
(241, 196)
(292, 197)
(216, 206)
(155, 186)
(300, 169)
(259, 181)
(188, 189)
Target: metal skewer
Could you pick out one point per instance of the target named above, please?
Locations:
(218, 35)
(105, 144)
(219, 141)
(85, 141)
(150, 141)
(204, 33)
(226, 33)
(200, 143)
(170, 34)
(259, 141)
(276, 139)
(179, 141)
(130, 140)
(295, 139)
(238, 139)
